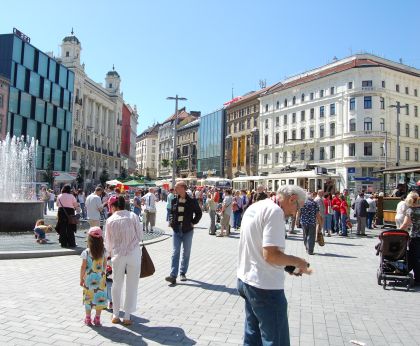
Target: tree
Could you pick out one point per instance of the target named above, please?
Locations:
(165, 163)
(123, 173)
(81, 174)
(181, 164)
(49, 173)
(104, 177)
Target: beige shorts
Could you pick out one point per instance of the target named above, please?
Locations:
(225, 220)
(94, 223)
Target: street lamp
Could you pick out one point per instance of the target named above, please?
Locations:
(398, 107)
(176, 98)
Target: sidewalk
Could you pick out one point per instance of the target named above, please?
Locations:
(340, 302)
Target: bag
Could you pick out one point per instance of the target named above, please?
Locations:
(320, 239)
(330, 210)
(147, 266)
(71, 219)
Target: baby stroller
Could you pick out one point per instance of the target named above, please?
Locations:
(218, 216)
(393, 258)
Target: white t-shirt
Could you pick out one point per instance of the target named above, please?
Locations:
(93, 204)
(262, 225)
(150, 202)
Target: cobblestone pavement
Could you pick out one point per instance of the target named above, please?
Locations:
(40, 300)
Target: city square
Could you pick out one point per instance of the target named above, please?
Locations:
(264, 154)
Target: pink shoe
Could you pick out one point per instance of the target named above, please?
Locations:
(97, 321)
(88, 320)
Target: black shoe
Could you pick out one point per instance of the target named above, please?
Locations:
(182, 277)
(171, 279)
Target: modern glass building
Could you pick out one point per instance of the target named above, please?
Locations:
(40, 98)
(211, 138)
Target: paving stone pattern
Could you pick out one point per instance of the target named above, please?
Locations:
(41, 302)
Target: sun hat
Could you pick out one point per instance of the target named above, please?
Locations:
(95, 232)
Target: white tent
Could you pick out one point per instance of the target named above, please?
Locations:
(63, 177)
(114, 182)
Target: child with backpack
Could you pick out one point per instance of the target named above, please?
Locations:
(93, 276)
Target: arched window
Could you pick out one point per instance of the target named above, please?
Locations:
(368, 124)
(302, 98)
(352, 124)
(382, 124)
(332, 129)
(285, 103)
(321, 131)
(294, 100)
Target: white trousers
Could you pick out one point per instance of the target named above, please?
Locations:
(129, 264)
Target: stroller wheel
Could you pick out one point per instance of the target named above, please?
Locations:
(384, 284)
(379, 277)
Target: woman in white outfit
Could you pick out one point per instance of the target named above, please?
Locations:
(124, 232)
(403, 206)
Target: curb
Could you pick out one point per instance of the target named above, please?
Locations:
(7, 255)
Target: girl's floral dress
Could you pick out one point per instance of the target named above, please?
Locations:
(94, 292)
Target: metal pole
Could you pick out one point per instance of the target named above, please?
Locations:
(174, 153)
(84, 163)
(398, 135)
(386, 149)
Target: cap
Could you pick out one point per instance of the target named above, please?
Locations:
(95, 232)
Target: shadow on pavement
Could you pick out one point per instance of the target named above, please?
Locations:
(333, 255)
(344, 244)
(134, 334)
(207, 286)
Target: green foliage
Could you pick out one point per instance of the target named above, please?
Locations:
(49, 173)
(104, 177)
(165, 163)
(81, 174)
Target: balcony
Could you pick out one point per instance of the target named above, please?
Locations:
(364, 134)
(91, 147)
(364, 159)
(118, 155)
(366, 90)
(111, 153)
(76, 143)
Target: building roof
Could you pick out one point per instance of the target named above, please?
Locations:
(354, 61)
(150, 130)
(71, 38)
(193, 123)
(182, 114)
(244, 98)
(113, 73)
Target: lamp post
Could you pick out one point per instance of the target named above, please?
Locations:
(176, 98)
(398, 107)
(88, 128)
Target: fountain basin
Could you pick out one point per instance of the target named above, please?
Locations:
(20, 216)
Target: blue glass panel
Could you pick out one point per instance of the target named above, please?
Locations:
(63, 76)
(20, 77)
(68, 120)
(17, 49)
(29, 56)
(50, 113)
(64, 136)
(58, 159)
(51, 74)
(70, 84)
(39, 151)
(47, 90)
(34, 84)
(47, 157)
(66, 100)
(60, 118)
(43, 65)
(31, 127)
(12, 74)
(55, 99)
(40, 110)
(25, 104)
(44, 135)
(13, 100)
(17, 125)
(53, 137)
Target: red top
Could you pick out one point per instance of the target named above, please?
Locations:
(327, 203)
(336, 201)
(343, 207)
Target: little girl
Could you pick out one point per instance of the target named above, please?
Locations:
(92, 276)
(40, 230)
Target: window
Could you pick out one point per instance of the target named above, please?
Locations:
(367, 102)
(266, 123)
(321, 153)
(332, 129)
(406, 90)
(277, 104)
(285, 103)
(367, 149)
(407, 130)
(366, 84)
(332, 89)
(383, 84)
(415, 92)
(302, 133)
(407, 153)
(332, 152)
(302, 154)
(350, 85)
(352, 149)
(367, 171)
(407, 109)
(368, 124)
(352, 124)
(382, 102)
(416, 154)
(266, 140)
(276, 158)
(321, 111)
(293, 155)
(416, 111)
(265, 159)
(294, 100)
(293, 118)
(321, 93)
(285, 119)
(277, 138)
(312, 113)
(321, 131)
(311, 154)
(285, 157)
(277, 121)
(382, 124)
(248, 126)
(332, 109)
(311, 96)
(302, 98)
(352, 104)
(293, 134)
(416, 131)
(397, 88)
(311, 132)
(266, 108)
(284, 136)
(302, 115)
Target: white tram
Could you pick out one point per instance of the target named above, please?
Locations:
(307, 180)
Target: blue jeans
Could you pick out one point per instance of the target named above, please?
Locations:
(343, 224)
(370, 216)
(266, 322)
(168, 213)
(327, 222)
(82, 206)
(185, 239)
(237, 218)
(50, 205)
(337, 217)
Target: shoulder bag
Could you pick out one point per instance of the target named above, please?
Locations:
(147, 266)
(71, 219)
(320, 239)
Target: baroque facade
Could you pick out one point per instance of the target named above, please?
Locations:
(186, 146)
(147, 152)
(97, 120)
(339, 116)
(128, 137)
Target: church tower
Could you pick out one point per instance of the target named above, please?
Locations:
(113, 81)
(70, 50)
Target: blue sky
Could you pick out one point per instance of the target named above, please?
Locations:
(201, 49)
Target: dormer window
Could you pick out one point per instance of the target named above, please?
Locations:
(67, 54)
(110, 85)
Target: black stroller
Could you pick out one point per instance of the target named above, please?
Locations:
(394, 263)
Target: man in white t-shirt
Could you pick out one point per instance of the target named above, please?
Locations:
(149, 201)
(94, 207)
(261, 267)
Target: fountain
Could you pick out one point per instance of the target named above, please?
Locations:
(19, 208)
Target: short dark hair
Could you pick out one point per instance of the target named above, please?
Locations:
(66, 189)
(117, 190)
(119, 203)
(98, 189)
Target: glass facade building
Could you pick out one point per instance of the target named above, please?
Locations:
(40, 100)
(211, 139)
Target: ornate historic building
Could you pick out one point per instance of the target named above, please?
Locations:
(186, 146)
(147, 152)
